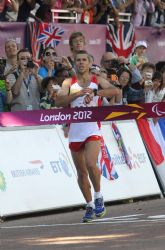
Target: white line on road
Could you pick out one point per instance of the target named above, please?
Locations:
(95, 222)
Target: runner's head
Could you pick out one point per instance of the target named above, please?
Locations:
(83, 61)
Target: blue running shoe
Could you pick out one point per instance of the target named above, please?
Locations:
(100, 210)
(89, 215)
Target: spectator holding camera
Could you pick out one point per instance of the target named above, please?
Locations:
(50, 88)
(157, 90)
(124, 80)
(147, 71)
(53, 65)
(110, 63)
(47, 68)
(25, 83)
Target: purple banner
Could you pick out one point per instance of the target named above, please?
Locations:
(9, 30)
(94, 36)
(95, 39)
(75, 115)
(156, 42)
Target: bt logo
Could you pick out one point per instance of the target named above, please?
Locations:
(61, 165)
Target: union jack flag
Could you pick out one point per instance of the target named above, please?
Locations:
(40, 35)
(50, 35)
(105, 163)
(31, 40)
(120, 40)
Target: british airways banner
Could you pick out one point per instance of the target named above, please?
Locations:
(75, 115)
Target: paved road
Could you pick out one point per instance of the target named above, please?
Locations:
(135, 226)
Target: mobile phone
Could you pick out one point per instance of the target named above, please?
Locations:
(30, 64)
(114, 78)
(148, 83)
(58, 59)
(56, 87)
(2, 85)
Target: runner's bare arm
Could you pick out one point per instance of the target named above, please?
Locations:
(108, 90)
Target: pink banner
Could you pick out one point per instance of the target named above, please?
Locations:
(75, 115)
(95, 39)
(14, 31)
(156, 42)
(94, 36)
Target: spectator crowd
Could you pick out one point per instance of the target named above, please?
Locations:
(142, 12)
(25, 85)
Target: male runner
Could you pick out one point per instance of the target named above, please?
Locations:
(84, 138)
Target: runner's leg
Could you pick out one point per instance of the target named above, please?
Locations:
(83, 181)
(92, 149)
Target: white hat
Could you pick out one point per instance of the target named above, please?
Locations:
(141, 43)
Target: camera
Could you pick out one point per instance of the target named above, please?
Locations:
(30, 64)
(58, 59)
(115, 64)
(148, 83)
(56, 87)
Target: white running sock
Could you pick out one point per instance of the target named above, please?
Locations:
(97, 195)
(91, 204)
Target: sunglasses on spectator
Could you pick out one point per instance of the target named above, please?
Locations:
(124, 77)
(103, 71)
(50, 54)
(107, 61)
(25, 58)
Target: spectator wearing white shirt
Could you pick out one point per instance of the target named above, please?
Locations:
(157, 90)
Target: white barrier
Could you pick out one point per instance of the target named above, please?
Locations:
(37, 172)
(137, 182)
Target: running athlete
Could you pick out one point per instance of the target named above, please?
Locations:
(84, 138)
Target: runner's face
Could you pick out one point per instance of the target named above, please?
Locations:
(78, 44)
(82, 63)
